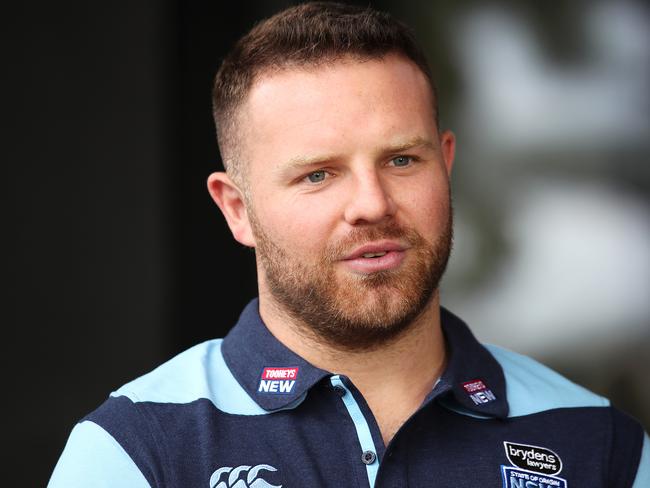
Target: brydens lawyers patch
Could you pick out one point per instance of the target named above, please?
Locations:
(534, 467)
(278, 380)
(533, 458)
(478, 392)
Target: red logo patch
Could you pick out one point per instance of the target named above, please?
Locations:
(280, 373)
(474, 386)
(478, 392)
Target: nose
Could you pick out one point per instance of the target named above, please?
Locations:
(370, 201)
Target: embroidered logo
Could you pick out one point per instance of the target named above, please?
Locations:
(518, 478)
(228, 477)
(278, 380)
(478, 392)
(533, 458)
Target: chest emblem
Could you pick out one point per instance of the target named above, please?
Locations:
(278, 380)
(241, 477)
(532, 467)
(533, 458)
(518, 478)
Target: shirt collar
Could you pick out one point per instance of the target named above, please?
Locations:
(250, 348)
(473, 379)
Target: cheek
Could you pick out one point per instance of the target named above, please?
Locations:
(426, 207)
(303, 225)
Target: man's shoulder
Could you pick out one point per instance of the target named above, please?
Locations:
(119, 441)
(533, 387)
(182, 379)
(199, 373)
(539, 396)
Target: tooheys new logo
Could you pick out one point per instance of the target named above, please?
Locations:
(278, 380)
(533, 458)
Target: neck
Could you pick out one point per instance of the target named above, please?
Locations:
(393, 378)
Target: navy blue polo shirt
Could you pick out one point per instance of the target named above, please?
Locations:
(246, 412)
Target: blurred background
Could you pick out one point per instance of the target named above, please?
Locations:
(118, 259)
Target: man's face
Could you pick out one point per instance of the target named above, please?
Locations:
(348, 196)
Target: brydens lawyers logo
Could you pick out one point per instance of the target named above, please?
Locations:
(241, 477)
(533, 458)
(478, 392)
(537, 464)
(278, 380)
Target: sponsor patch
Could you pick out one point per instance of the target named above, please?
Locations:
(478, 392)
(518, 478)
(278, 380)
(533, 458)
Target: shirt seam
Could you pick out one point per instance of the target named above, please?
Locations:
(148, 420)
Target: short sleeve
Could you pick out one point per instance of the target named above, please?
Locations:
(92, 458)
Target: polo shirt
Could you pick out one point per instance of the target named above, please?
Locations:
(246, 412)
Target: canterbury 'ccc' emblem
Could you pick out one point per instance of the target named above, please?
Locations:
(228, 477)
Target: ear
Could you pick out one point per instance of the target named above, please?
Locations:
(448, 148)
(230, 200)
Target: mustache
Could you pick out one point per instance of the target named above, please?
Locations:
(362, 235)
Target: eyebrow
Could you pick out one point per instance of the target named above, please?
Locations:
(410, 144)
(299, 162)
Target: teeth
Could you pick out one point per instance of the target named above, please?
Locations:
(374, 254)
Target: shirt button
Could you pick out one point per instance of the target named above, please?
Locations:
(368, 457)
(339, 390)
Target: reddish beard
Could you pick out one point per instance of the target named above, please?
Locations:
(355, 312)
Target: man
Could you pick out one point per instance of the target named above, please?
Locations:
(346, 371)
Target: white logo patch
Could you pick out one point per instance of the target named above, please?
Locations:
(228, 477)
(278, 380)
(533, 458)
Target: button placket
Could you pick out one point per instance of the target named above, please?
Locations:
(368, 456)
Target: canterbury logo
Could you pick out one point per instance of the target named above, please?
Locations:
(227, 477)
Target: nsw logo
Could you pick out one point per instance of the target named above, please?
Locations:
(241, 477)
(533, 458)
(278, 380)
(478, 392)
(518, 478)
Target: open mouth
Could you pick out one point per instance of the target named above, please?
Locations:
(370, 255)
(374, 261)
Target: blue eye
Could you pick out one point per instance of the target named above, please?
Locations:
(401, 161)
(316, 176)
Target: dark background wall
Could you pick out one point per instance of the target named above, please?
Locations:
(90, 146)
(117, 259)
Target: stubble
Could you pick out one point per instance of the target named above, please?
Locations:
(355, 311)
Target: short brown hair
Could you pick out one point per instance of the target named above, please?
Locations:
(304, 35)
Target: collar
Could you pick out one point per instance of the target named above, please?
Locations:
(473, 380)
(253, 354)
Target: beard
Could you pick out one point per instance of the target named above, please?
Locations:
(355, 312)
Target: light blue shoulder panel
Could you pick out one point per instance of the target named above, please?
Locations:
(199, 372)
(532, 387)
(643, 473)
(106, 465)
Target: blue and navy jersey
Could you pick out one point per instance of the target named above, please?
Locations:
(246, 412)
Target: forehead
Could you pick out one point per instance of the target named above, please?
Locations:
(342, 107)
